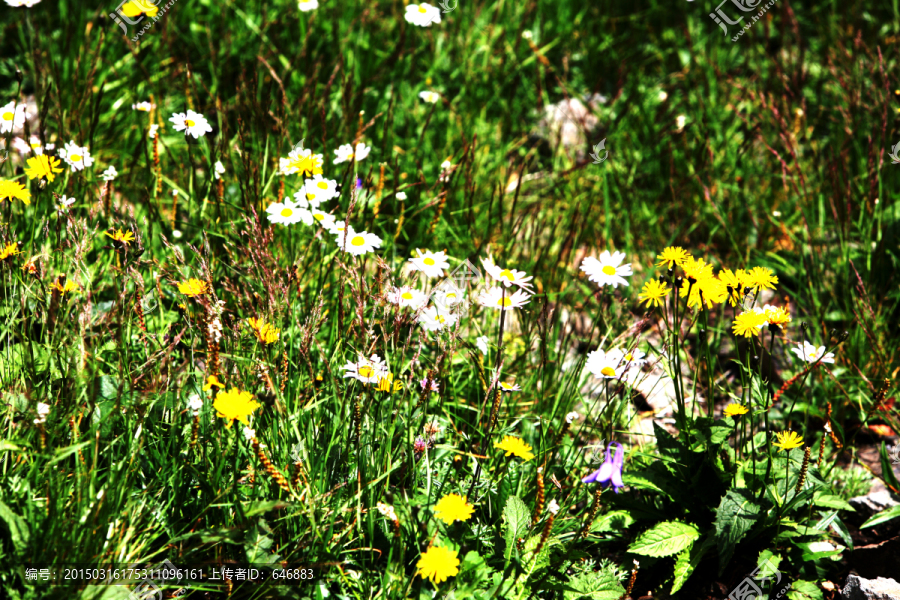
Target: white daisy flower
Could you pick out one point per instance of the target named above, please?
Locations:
(337, 229)
(448, 295)
(77, 157)
(507, 277)
(482, 343)
(809, 353)
(496, 298)
(65, 203)
(346, 153)
(284, 213)
(153, 130)
(571, 417)
(34, 144)
(634, 359)
(143, 106)
(366, 370)
(21, 146)
(609, 270)
(430, 263)
(11, 117)
(430, 97)
(606, 365)
(433, 319)
(509, 387)
(296, 157)
(406, 296)
(317, 190)
(359, 243)
(422, 15)
(109, 174)
(26, 3)
(326, 220)
(307, 5)
(401, 195)
(218, 169)
(191, 123)
(195, 403)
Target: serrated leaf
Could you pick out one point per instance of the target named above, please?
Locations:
(665, 539)
(879, 518)
(667, 444)
(829, 501)
(688, 560)
(516, 517)
(736, 514)
(597, 586)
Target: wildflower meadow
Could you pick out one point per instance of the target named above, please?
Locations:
(565, 300)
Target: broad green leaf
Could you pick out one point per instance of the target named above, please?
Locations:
(829, 501)
(516, 516)
(597, 586)
(804, 590)
(885, 515)
(688, 560)
(737, 513)
(665, 539)
(17, 527)
(615, 520)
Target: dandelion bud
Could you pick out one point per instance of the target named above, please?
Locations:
(804, 326)
(844, 336)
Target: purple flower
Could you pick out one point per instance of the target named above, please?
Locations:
(430, 385)
(611, 469)
(358, 183)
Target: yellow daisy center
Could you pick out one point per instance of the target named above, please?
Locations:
(608, 371)
(423, 10)
(406, 296)
(322, 185)
(366, 371)
(508, 274)
(8, 116)
(608, 270)
(440, 319)
(286, 212)
(451, 295)
(428, 261)
(505, 386)
(358, 240)
(628, 356)
(310, 196)
(75, 157)
(812, 354)
(189, 122)
(504, 302)
(320, 217)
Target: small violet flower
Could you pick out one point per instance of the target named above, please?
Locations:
(610, 470)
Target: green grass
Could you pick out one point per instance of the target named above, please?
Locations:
(782, 162)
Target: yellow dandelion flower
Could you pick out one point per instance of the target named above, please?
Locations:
(515, 446)
(653, 292)
(193, 287)
(384, 384)
(733, 282)
(438, 564)
(123, 238)
(747, 323)
(70, 286)
(735, 410)
(697, 269)
(211, 381)
(709, 291)
(671, 256)
(265, 333)
(453, 507)
(778, 317)
(762, 278)
(135, 8)
(9, 250)
(308, 165)
(788, 440)
(41, 166)
(12, 189)
(235, 405)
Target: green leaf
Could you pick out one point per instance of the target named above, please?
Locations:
(829, 501)
(736, 514)
(597, 586)
(688, 560)
(259, 507)
(613, 521)
(885, 515)
(17, 527)
(804, 590)
(665, 539)
(887, 471)
(516, 516)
